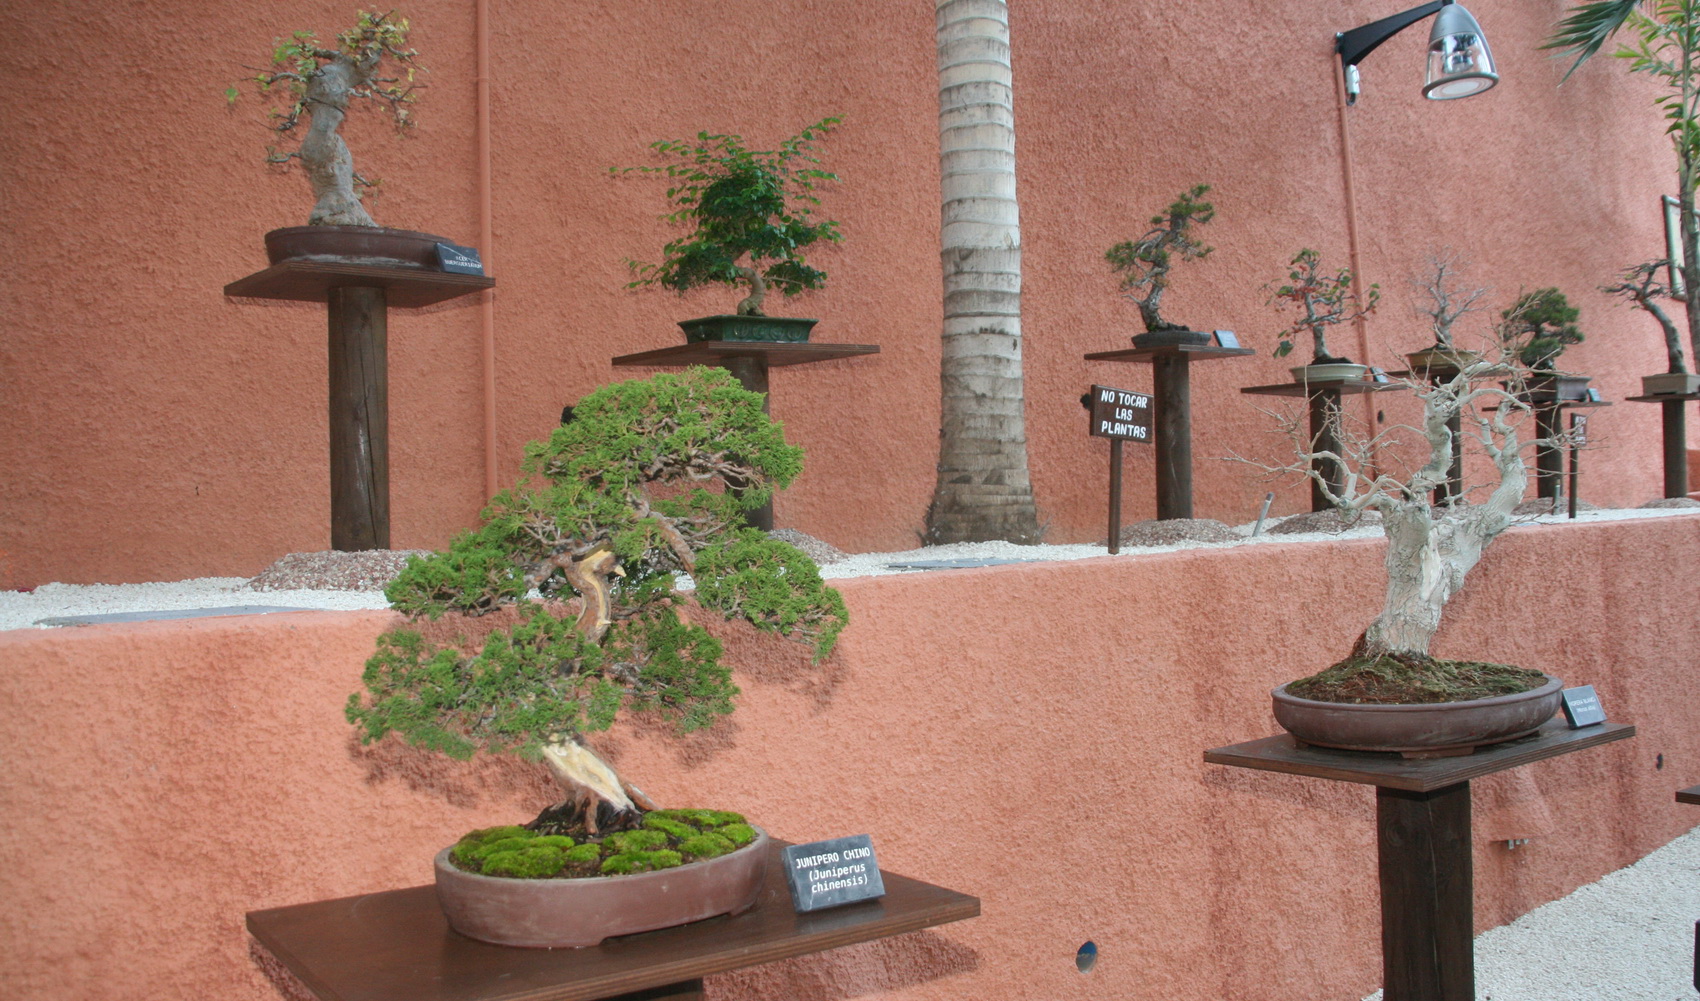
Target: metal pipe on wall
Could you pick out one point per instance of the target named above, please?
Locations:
(486, 243)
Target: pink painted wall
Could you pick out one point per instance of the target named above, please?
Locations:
(1029, 734)
(160, 431)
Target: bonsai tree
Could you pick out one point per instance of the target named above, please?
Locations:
(633, 491)
(750, 213)
(368, 62)
(1665, 45)
(1144, 263)
(1323, 300)
(1448, 298)
(1641, 286)
(1538, 327)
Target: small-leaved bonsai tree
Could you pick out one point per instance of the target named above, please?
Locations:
(750, 214)
(1144, 264)
(1323, 299)
(1538, 327)
(634, 490)
(368, 62)
(1643, 287)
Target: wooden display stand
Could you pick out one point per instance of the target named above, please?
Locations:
(396, 945)
(1676, 440)
(1549, 423)
(1323, 396)
(1171, 394)
(748, 361)
(1422, 842)
(357, 299)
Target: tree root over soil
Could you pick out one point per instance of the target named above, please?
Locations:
(1413, 679)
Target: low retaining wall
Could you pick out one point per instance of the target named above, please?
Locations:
(1030, 734)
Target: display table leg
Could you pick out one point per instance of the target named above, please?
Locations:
(687, 990)
(1676, 449)
(1423, 844)
(1172, 390)
(1549, 460)
(1325, 437)
(751, 373)
(359, 419)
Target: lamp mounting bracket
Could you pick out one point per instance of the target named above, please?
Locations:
(1353, 46)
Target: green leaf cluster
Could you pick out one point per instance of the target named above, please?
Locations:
(750, 212)
(1323, 299)
(1539, 326)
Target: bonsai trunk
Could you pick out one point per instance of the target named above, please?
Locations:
(751, 304)
(330, 167)
(1148, 308)
(1319, 335)
(596, 798)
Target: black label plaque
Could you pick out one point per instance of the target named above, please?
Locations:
(459, 260)
(1582, 707)
(832, 873)
(1117, 413)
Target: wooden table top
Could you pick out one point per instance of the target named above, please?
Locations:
(1689, 795)
(1315, 386)
(311, 281)
(1282, 754)
(396, 945)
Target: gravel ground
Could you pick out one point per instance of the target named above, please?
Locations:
(317, 580)
(1628, 937)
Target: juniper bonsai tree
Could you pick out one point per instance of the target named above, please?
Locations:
(750, 212)
(1144, 264)
(368, 62)
(1324, 299)
(634, 490)
(1539, 326)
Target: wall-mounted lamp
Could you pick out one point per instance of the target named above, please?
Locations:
(1459, 63)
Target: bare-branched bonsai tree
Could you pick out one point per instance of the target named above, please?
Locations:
(369, 62)
(1643, 288)
(1445, 298)
(750, 213)
(636, 489)
(1323, 299)
(1430, 549)
(1144, 264)
(1538, 327)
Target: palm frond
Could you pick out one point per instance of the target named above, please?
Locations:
(1588, 27)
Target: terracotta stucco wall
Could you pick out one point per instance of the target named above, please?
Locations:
(1029, 734)
(160, 431)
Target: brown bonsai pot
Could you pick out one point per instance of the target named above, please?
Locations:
(1437, 728)
(556, 913)
(760, 329)
(354, 245)
(1170, 338)
(1343, 371)
(1670, 383)
(1441, 361)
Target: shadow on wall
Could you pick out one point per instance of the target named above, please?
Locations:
(485, 779)
(852, 971)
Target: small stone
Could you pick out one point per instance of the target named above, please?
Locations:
(366, 570)
(1673, 502)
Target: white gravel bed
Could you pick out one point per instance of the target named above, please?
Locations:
(1628, 937)
(22, 610)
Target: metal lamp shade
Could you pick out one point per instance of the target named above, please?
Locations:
(1459, 62)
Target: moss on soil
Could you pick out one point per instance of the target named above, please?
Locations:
(1407, 679)
(666, 838)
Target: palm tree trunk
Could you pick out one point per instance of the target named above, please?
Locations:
(983, 489)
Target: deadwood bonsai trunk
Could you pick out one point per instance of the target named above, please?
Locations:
(324, 154)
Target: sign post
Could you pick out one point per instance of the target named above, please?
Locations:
(1119, 416)
(1578, 438)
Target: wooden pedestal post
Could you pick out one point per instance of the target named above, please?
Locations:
(751, 373)
(1423, 843)
(1676, 449)
(1324, 438)
(1172, 393)
(1549, 460)
(359, 419)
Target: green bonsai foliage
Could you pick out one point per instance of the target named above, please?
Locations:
(667, 838)
(750, 213)
(1539, 326)
(1144, 263)
(1323, 299)
(632, 492)
(368, 62)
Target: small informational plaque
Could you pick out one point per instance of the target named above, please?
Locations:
(832, 873)
(1117, 413)
(1582, 707)
(459, 260)
(1226, 339)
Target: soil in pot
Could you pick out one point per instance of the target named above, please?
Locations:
(1404, 679)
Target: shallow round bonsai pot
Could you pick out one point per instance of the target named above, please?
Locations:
(1441, 360)
(1329, 372)
(1431, 728)
(761, 329)
(573, 913)
(354, 245)
(1170, 338)
(1670, 384)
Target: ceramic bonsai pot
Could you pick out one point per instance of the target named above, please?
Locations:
(354, 245)
(762, 329)
(1329, 372)
(1170, 338)
(1439, 728)
(1549, 387)
(1670, 384)
(573, 913)
(1438, 359)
